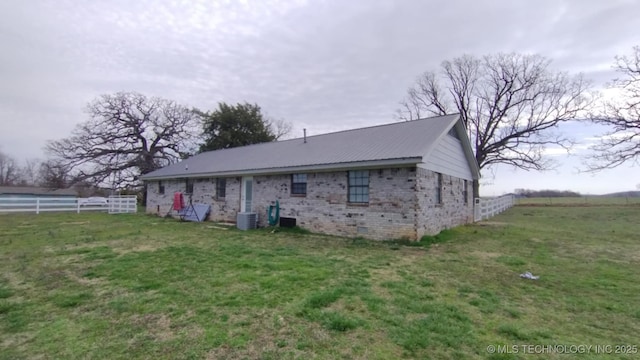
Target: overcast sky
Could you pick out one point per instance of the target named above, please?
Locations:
(321, 65)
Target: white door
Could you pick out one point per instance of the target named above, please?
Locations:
(247, 194)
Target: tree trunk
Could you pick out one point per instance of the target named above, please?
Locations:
(144, 193)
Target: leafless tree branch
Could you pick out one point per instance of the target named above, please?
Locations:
(279, 128)
(510, 103)
(621, 144)
(127, 135)
(9, 170)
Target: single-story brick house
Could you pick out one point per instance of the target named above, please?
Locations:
(400, 180)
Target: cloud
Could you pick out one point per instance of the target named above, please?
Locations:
(323, 65)
(555, 151)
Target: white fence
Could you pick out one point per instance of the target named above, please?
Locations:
(115, 205)
(119, 204)
(488, 207)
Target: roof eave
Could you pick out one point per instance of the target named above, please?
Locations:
(403, 162)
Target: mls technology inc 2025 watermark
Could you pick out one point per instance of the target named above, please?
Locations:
(562, 349)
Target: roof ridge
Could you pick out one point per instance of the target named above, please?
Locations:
(336, 132)
(376, 126)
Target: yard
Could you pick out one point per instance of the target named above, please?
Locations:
(135, 286)
(579, 201)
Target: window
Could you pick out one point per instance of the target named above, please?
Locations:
(221, 188)
(188, 186)
(465, 191)
(299, 184)
(359, 186)
(160, 188)
(439, 189)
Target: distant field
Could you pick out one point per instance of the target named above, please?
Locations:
(579, 201)
(99, 286)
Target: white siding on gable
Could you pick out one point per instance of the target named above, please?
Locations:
(448, 158)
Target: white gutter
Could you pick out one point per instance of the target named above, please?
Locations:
(295, 169)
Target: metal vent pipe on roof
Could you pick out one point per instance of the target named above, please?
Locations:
(305, 135)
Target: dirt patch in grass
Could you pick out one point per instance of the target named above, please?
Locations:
(193, 331)
(138, 248)
(118, 246)
(158, 326)
(635, 256)
(406, 255)
(78, 248)
(51, 279)
(265, 335)
(16, 340)
(84, 280)
(15, 280)
(252, 351)
(484, 255)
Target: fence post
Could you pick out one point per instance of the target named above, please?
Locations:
(37, 206)
(78, 205)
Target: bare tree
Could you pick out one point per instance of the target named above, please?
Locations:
(622, 142)
(279, 128)
(128, 135)
(54, 175)
(9, 170)
(29, 174)
(510, 104)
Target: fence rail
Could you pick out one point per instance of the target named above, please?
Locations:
(119, 204)
(488, 207)
(116, 204)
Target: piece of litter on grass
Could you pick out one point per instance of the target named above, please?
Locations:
(529, 275)
(216, 227)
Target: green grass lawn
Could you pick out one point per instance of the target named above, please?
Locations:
(579, 201)
(134, 286)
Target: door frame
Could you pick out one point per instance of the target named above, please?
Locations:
(243, 194)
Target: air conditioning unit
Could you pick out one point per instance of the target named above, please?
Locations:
(247, 220)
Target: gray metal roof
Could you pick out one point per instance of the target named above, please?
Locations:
(397, 143)
(32, 190)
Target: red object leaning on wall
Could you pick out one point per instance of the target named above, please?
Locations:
(178, 201)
